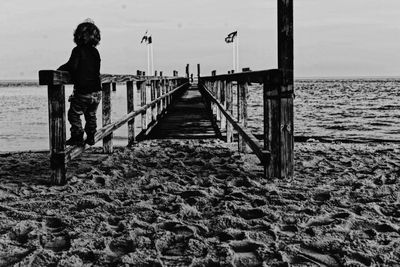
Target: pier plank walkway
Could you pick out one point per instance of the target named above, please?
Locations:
(188, 118)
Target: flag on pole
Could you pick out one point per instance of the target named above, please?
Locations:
(145, 38)
(230, 37)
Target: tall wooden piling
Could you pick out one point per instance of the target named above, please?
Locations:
(278, 101)
(218, 97)
(142, 85)
(131, 107)
(222, 91)
(229, 108)
(285, 63)
(242, 112)
(56, 105)
(106, 100)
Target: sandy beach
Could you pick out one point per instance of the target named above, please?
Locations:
(200, 203)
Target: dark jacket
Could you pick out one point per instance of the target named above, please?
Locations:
(84, 67)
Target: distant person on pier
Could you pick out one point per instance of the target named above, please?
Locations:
(84, 68)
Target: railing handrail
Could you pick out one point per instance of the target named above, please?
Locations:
(162, 91)
(73, 152)
(58, 77)
(272, 76)
(277, 95)
(251, 140)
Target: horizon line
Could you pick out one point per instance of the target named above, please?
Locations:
(296, 78)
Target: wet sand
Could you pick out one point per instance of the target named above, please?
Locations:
(200, 203)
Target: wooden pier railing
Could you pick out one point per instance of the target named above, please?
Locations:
(219, 91)
(277, 152)
(162, 91)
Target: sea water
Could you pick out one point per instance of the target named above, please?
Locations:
(363, 109)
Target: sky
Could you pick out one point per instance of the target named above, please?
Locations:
(341, 38)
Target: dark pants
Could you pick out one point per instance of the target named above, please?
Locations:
(83, 104)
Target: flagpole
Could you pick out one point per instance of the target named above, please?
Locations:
(148, 59)
(237, 52)
(151, 59)
(234, 56)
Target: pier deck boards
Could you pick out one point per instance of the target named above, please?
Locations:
(187, 119)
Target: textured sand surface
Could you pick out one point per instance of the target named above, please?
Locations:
(200, 203)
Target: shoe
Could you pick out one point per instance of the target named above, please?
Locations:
(90, 140)
(75, 140)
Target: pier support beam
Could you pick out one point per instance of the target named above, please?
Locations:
(56, 98)
(278, 101)
(130, 107)
(107, 141)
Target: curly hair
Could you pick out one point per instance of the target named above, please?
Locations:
(87, 33)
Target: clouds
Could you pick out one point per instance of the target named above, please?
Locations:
(339, 37)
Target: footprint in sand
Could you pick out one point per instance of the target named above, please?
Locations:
(322, 196)
(245, 253)
(252, 213)
(178, 245)
(21, 231)
(178, 229)
(122, 246)
(231, 234)
(55, 236)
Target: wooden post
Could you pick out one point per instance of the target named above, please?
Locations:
(163, 101)
(187, 71)
(106, 100)
(114, 87)
(153, 108)
(229, 108)
(131, 107)
(222, 91)
(158, 94)
(142, 87)
(243, 95)
(56, 105)
(198, 70)
(285, 63)
(218, 97)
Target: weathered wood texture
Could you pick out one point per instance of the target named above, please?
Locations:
(55, 80)
(273, 76)
(56, 105)
(57, 77)
(75, 151)
(276, 119)
(187, 118)
(106, 100)
(248, 137)
(242, 98)
(285, 64)
(229, 109)
(130, 107)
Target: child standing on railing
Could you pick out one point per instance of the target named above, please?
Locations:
(84, 68)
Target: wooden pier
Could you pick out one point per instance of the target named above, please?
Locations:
(188, 118)
(180, 109)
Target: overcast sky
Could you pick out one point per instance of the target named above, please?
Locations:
(332, 38)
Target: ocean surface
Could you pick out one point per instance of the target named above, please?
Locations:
(358, 109)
